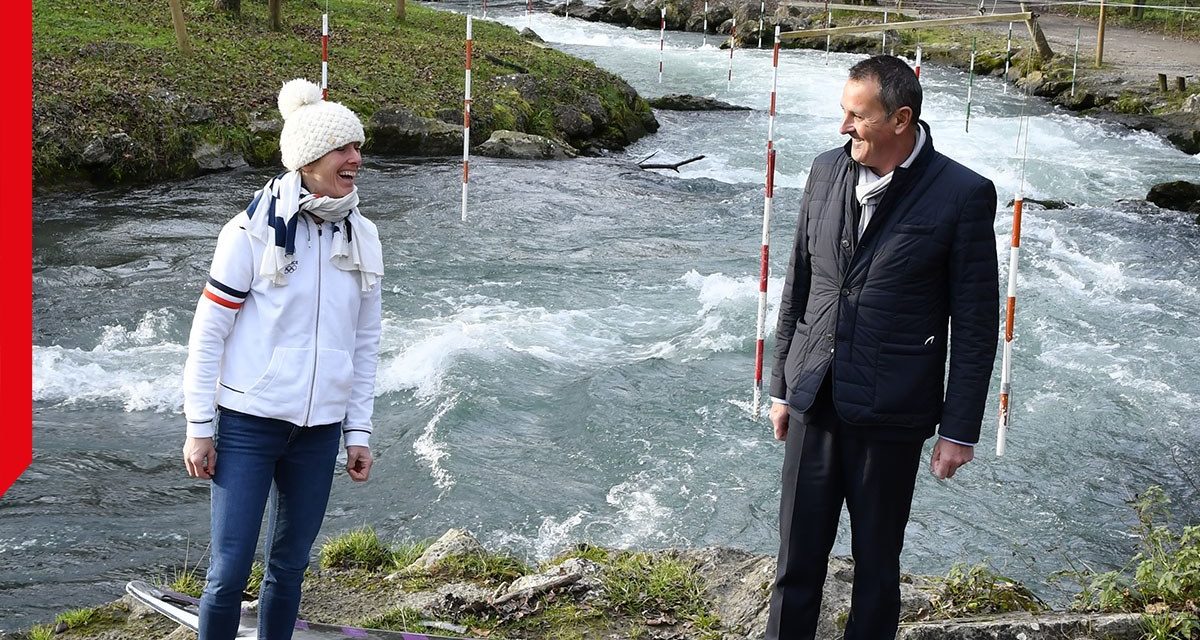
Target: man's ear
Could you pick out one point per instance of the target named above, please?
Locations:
(904, 119)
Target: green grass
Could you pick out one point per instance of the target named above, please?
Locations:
(77, 618)
(649, 586)
(357, 549)
(977, 590)
(489, 568)
(398, 619)
(41, 632)
(112, 66)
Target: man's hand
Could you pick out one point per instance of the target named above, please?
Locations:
(358, 463)
(779, 419)
(200, 457)
(948, 457)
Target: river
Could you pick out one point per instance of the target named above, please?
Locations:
(574, 362)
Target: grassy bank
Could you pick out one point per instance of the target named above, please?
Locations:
(112, 67)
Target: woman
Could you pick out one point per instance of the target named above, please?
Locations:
(281, 362)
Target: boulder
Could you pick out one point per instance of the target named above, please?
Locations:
(524, 146)
(451, 599)
(525, 84)
(217, 157)
(453, 543)
(1192, 104)
(573, 123)
(685, 102)
(1179, 195)
(397, 131)
(104, 150)
(531, 35)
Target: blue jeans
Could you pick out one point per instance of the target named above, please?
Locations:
(263, 462)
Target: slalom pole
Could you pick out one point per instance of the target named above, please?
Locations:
(1007, 57)
(662, 34)
(764, 267)
(732, 46)
(762, 282)
(970, 84)
(883, 45)
(1075, 65)
(705, 24)
(467, 124)
(1009, 317)
(325, 55)
(917, 70)
(1010, 306)
(762, 10)
(828, 25)
(485, 8)
(529, 13)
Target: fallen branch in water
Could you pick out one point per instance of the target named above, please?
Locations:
(672, 166)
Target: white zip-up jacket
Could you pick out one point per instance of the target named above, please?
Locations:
(305, 352)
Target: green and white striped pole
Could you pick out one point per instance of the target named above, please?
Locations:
(970, 84)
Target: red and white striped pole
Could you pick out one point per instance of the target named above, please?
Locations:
(762, 282)
(324, 56)
(662, 35)
(705, 24)
(467, 124)
(485, 8)
(917, 70)
(1009, 317)
(529, 13)
(732, 46)
(828, 25)
(764, 266)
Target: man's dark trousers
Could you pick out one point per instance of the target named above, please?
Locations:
(825, 462)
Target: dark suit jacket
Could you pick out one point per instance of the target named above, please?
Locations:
(879, 314)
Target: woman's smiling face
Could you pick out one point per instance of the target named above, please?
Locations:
(333, 174)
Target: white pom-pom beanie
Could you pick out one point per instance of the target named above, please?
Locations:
(313, 127)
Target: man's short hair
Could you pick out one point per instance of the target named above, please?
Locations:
(898, 85)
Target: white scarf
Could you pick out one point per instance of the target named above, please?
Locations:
(871, 186)
(272, 213)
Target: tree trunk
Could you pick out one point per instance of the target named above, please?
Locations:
(1138, 10)
(1039, 38)
(399, 10)
(275, 7)
(231, 6)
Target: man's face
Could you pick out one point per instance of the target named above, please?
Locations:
(873, 132)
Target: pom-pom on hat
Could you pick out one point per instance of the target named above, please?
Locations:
(313, 127)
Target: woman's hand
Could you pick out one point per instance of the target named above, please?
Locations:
(358, 463)
(200, 457)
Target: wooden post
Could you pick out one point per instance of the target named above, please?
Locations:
(1100, 36)
(399, 10)
(1181, 83)
(180, 28)
(1162, 82)
(1039, 38)
(275, 9)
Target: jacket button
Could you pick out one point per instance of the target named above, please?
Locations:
(846, 292)
(829, 337)
(845, 244)
(830, 349)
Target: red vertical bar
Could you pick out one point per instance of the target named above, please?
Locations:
(16, 353)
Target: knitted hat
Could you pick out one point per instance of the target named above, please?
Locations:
(313, 127)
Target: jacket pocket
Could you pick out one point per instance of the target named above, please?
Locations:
(281, 384)
(908, 379)
(335, 381)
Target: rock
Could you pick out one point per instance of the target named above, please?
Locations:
(561, 575)
(1026, 626)
(396, 130)
(106, 150)
(1180, 129)
(573, 123)
(453, 543)
(197, 113)
(216, 157)
(685, 102)
(530, 34)
(1179, 195)
(266, 126)
(524, 146)
(1192, 104)
(525, 84)
(453, 599)
(591, 105)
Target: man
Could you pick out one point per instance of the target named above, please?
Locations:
(894, 261)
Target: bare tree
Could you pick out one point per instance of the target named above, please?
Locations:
(275, 7)
(399, 10)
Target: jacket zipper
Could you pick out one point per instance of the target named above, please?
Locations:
(312, 385)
